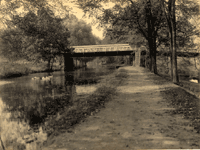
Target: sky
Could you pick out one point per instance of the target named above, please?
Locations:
(79, 14)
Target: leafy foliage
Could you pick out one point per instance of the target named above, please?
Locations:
(80, 34)
(144, 23)
(36, 37)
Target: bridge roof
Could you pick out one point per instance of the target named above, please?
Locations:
(105, 45)
(102, 48)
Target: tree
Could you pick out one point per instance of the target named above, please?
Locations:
(50, 36)
(171, 20)
(169, 9)
(10, 14)
(11, 45)
(142, 18)
(130, 18)
(80, 34)
(35, 37)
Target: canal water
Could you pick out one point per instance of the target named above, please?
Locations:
(26, 102)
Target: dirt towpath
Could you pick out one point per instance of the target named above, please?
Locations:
(135, 118)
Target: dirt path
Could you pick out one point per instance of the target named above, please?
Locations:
(136, 118)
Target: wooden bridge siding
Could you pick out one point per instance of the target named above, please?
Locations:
(94, 54)
(102, 50)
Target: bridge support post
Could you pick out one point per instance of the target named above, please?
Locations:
(76, 63)
(137, 58)
(68, 62)
(129, 62)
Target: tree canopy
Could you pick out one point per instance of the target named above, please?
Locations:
(80, 34)
(40, 35)
(143, 22)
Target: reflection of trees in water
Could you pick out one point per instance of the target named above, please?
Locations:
(36, 106)
(86, 75)
(13, 132)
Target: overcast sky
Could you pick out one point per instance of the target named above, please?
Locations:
(79, 14)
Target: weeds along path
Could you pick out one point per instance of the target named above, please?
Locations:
(137, 117)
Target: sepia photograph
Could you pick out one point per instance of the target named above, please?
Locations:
(99, 74)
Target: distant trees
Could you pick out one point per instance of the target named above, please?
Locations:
(177, 14)
(140, 20)
(80, 34)
(42, 35)
(151, 23)
(11, 44)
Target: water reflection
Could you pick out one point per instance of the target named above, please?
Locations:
(28, 104)
(17, 134)
(38, 99)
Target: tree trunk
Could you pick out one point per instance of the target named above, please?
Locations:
(52, 64)
(173, 45)
(171, 20)
(2, 145)
(49, 64)
(171, 73)
(152, 56)
(154, 66)
(151, 38)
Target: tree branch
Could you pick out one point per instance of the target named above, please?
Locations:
(131, 1)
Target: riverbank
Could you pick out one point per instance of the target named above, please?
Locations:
(144, 113)
(18, 69)
(193, 88)
(12, 70)
(84, 106)
(57, 112)
(186, 71)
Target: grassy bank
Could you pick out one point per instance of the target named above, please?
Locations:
(186, 70)
(186, 105)
(17, 69)
(84, 105)
(60, 114)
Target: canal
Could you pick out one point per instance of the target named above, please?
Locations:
(27, 103)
